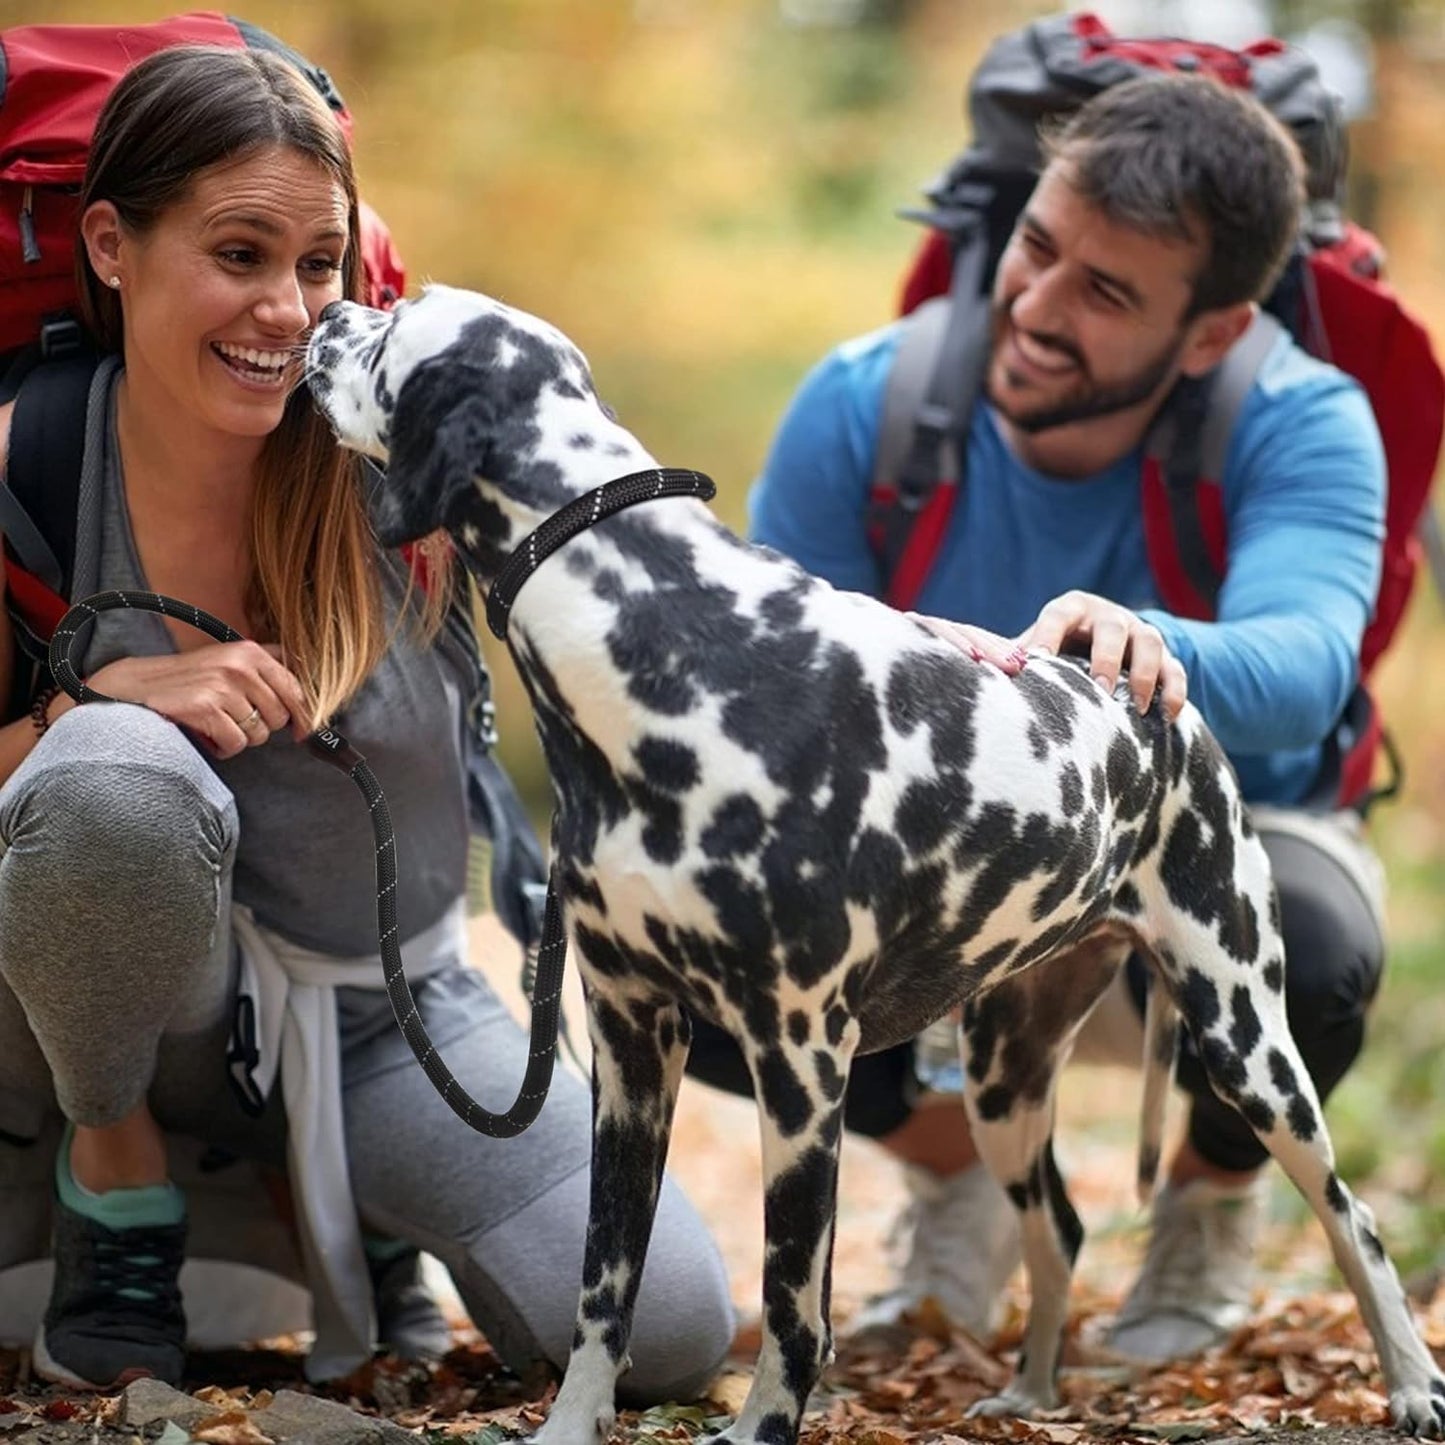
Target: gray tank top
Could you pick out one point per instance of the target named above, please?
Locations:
(306, 860)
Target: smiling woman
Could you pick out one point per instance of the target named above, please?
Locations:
(246, 258)
(228, 912)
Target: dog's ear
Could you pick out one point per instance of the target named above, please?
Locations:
(440, 439)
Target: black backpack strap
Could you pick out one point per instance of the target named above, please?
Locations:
(919, 345)
(1190, 443)
(39, 499)
(39, 508)
(927, 406)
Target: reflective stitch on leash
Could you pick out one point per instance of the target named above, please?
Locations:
(577, 516)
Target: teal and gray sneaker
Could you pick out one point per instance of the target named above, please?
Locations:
(115, 1311)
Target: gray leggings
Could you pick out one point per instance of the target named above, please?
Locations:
(117, 980)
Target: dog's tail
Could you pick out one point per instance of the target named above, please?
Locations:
(1161, 1044)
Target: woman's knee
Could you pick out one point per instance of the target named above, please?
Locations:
(114, 783)
(684, 1323)
(114, 896)
(521, 1283)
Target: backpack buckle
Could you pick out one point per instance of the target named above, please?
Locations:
(487, 724)
(60, 336)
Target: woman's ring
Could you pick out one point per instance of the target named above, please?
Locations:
(250, 720)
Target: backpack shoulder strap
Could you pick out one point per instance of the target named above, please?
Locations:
(42, 474)
(1233, 379)
(39, 509)
(920, 341)
(927, 406)
(1184, 457)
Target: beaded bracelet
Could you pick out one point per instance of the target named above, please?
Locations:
(40, 708)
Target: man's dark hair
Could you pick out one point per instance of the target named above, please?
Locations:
(1187, 157)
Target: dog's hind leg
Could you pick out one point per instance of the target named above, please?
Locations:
(800, 1108)
(1161, 1049)
(1016, 1038)
(1227, 977)
(639, 1047)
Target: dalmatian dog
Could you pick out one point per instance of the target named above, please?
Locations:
(798, 813)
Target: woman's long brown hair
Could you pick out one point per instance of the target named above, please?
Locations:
(315, 584)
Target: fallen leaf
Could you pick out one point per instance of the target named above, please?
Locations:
(730, 1390)
(234, 1427)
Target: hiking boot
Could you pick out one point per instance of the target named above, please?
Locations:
(115, 1311)
(957, 1243)
(1194, 1289)
(409, 1322)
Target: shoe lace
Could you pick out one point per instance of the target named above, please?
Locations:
(140, 1266)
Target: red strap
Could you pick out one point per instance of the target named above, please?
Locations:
(385, 271)
(929, 274)
(1176, 591)
(1389, 353)
(41, 608)
(427, 558)
(1357, 767)
(925, 540)
(1230, 66)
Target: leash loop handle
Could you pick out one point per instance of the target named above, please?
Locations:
(331, 747)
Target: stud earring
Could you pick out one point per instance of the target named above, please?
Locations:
(115, 282)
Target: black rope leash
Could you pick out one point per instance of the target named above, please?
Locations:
(331, 747)
(577, 516)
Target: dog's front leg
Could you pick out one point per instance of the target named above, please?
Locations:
(800, 1109)
(639, 1047)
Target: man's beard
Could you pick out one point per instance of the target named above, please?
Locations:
(1087, 399)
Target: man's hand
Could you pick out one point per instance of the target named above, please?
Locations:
(1115, 640)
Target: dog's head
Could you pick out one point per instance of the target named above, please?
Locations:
(449, 388)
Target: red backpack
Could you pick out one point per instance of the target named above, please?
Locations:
(1331, 299)
(54, 79)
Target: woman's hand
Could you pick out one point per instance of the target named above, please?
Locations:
(1115, 640)
(978, 642)
(232, 695)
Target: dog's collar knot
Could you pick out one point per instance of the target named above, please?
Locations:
(577, 516)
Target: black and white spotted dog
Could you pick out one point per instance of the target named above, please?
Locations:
(796, 812)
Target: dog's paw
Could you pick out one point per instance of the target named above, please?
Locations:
(1420, 1409)
(564, 1427)
(1014, 1402)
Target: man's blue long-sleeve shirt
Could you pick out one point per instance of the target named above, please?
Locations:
(1304, 498)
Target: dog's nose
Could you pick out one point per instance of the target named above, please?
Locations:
(330, 310)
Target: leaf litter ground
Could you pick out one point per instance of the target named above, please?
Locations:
(1304, 1362)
